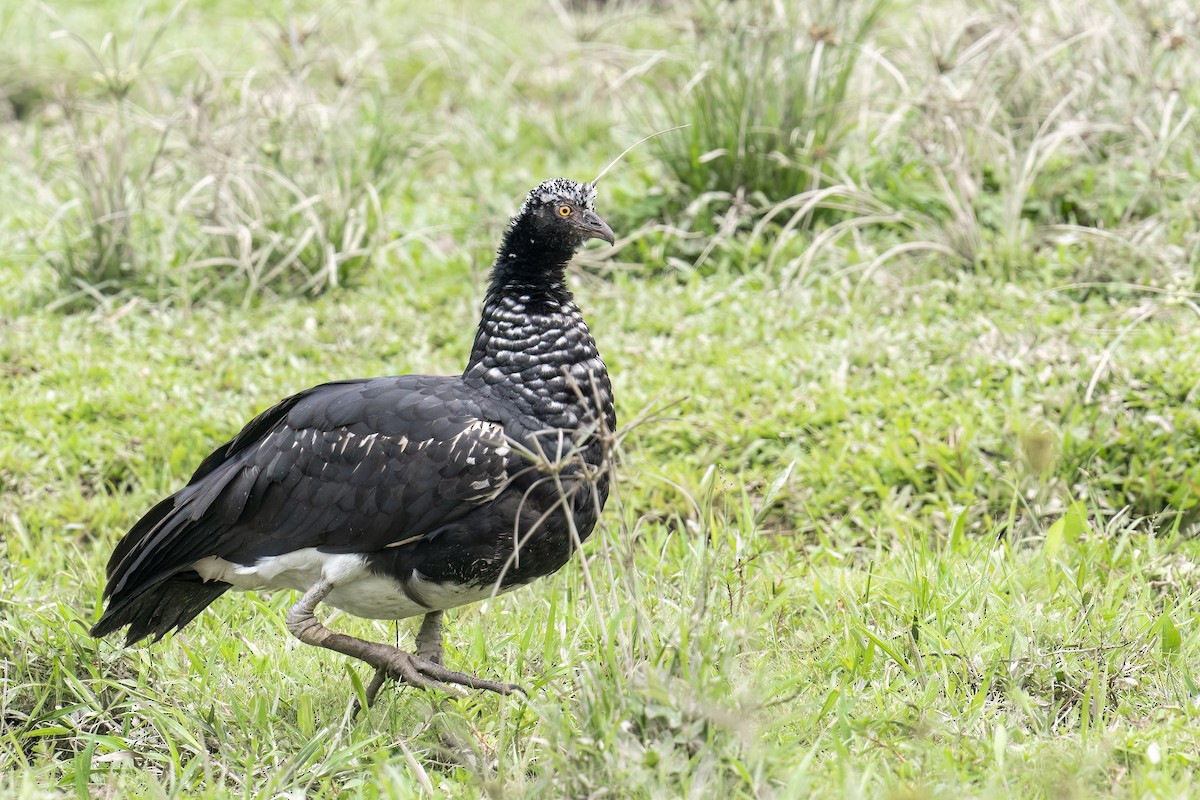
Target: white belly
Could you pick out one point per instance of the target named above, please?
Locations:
(356, 590)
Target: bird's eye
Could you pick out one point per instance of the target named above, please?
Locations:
(564, 211)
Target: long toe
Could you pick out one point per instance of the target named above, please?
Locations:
(371, 692)
(407, 668)
(425, 674)
(448, 676)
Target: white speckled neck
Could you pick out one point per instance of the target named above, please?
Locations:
(535, 350)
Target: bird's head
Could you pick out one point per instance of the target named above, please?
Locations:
(558, 217)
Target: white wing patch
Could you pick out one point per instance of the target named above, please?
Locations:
(299, 569)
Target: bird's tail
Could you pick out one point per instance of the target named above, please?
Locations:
(151, 586)
(158, 609)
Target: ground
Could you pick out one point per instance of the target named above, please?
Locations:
(903, 331)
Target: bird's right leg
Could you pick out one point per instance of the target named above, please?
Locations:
(429, 638)
(388, 661)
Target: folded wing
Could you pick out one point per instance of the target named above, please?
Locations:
(354, 466)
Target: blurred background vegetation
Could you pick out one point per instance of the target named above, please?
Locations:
(912, 302)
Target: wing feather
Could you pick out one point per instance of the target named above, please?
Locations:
(355, 466)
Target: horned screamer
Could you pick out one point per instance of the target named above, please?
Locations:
(403, 496)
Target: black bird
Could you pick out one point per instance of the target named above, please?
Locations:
(402, 496)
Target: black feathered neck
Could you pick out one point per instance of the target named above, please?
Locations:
(528, 257)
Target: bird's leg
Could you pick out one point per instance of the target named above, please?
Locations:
(429, 638)
(388, 661)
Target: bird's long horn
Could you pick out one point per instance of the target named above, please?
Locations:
(613, 163)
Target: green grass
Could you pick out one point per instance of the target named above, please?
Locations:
(912, 515)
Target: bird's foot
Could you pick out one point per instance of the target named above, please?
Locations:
(427, 674)
(424, 673)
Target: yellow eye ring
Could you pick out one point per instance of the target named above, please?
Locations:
(564, 211)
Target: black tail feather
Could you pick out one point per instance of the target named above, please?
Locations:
(161, 608)
(129, 541)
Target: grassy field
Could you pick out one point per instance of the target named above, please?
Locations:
(903, 328)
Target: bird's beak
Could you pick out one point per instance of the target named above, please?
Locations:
(596, 228)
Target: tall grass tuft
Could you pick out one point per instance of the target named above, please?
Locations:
(1046, 125)
(226, 186)
(768, 98)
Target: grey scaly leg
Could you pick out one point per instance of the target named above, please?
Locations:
(429, 638)
(415, 670)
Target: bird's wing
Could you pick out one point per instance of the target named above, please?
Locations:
(356, 466)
